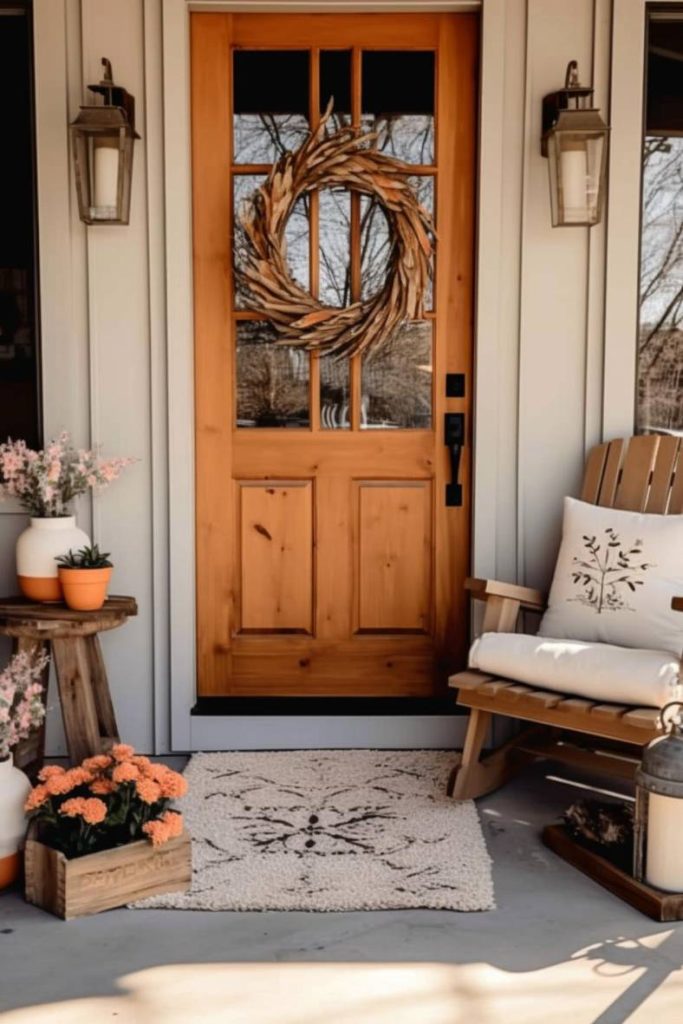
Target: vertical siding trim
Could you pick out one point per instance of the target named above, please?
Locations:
(179, 319)
(489, 277)
(158, 411)
(623, 224)
(597, 243)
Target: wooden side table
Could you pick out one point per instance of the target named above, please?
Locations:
(71, 639)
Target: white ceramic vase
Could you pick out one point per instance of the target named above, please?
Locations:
(38, 547)
(14, 788)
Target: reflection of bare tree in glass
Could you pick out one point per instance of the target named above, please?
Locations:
(660, 370)
(272, 381)
(263, 138)
(409, 137)
(397, 380)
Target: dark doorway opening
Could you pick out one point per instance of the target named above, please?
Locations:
(20, 412)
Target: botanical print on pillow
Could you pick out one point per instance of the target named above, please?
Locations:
(608, 573)
(610, 561)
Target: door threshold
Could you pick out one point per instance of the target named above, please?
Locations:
(320, 706)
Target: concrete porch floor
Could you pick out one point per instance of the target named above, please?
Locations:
(558, 949)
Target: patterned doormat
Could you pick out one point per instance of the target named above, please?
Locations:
(330, 830)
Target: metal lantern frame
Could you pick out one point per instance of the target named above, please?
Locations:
(110, 125)
(570, 117)
(661, 773)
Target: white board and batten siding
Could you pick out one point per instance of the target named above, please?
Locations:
(117, 339)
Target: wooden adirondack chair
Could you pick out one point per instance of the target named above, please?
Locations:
(643, 474)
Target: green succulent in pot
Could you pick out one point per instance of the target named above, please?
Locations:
(84, 576)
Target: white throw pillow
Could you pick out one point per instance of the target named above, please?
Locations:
(599, 672)
(615, 576)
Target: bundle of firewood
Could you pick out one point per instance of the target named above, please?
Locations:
(600, 823)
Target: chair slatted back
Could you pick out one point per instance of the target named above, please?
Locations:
(638, 474)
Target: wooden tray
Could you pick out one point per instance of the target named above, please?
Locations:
(659, 905)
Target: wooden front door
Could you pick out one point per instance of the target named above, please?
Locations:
(329, 562)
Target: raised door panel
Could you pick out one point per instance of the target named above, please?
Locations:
(394, 556)
(276, 544)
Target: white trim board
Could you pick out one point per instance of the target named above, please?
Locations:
(623, 219)
(314, 732)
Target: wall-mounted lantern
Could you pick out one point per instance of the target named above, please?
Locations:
(658, 838)
(575, 142)
(102, 139)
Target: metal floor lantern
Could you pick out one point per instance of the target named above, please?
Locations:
(102, 138)
(658, 838)
(575, 142)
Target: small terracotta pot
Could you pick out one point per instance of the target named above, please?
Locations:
(85, 590)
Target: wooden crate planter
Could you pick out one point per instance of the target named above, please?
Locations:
(101, 881)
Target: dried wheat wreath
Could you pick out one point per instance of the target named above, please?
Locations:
(342, 158)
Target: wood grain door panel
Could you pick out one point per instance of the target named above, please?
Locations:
(327, 561)
(276, 554)
(394, 553)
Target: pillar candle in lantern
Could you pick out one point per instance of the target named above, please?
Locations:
(664, 863)
(658, 838)
(574, 174)
(106, 174)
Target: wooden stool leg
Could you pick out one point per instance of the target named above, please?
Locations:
(30, 753)
(109, 733)
(79, 712)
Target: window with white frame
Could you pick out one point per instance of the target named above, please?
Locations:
(660, 342)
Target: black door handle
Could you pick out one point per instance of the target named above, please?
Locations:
(454, 439)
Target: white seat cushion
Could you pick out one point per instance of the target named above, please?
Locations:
(615, 576)
(600, 672)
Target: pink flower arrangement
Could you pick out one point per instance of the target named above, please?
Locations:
(46, 482)
(21, 700)
(109, 800)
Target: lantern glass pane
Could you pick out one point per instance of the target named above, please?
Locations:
(104, 167)
(576, 161)
(103, 162)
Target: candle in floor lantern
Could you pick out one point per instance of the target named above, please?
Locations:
(574, 173)
(106, 182)
(658, 822)
(664, 862)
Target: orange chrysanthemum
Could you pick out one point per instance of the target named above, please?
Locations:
(122, 751)
(36, 797)
(74, 807)
(143, 763)
(174, 821)
(102, 787)
(125, 772)
(158, 831)
(58, 785)
(79, 776)
(96, 763)
(95, 810)
(148, 790)
(173, 785)
(49, 771)
(92, 810)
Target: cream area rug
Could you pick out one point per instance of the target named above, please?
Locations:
(330, 830)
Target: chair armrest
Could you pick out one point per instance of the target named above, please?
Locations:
(677, 604)
(528, 598)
